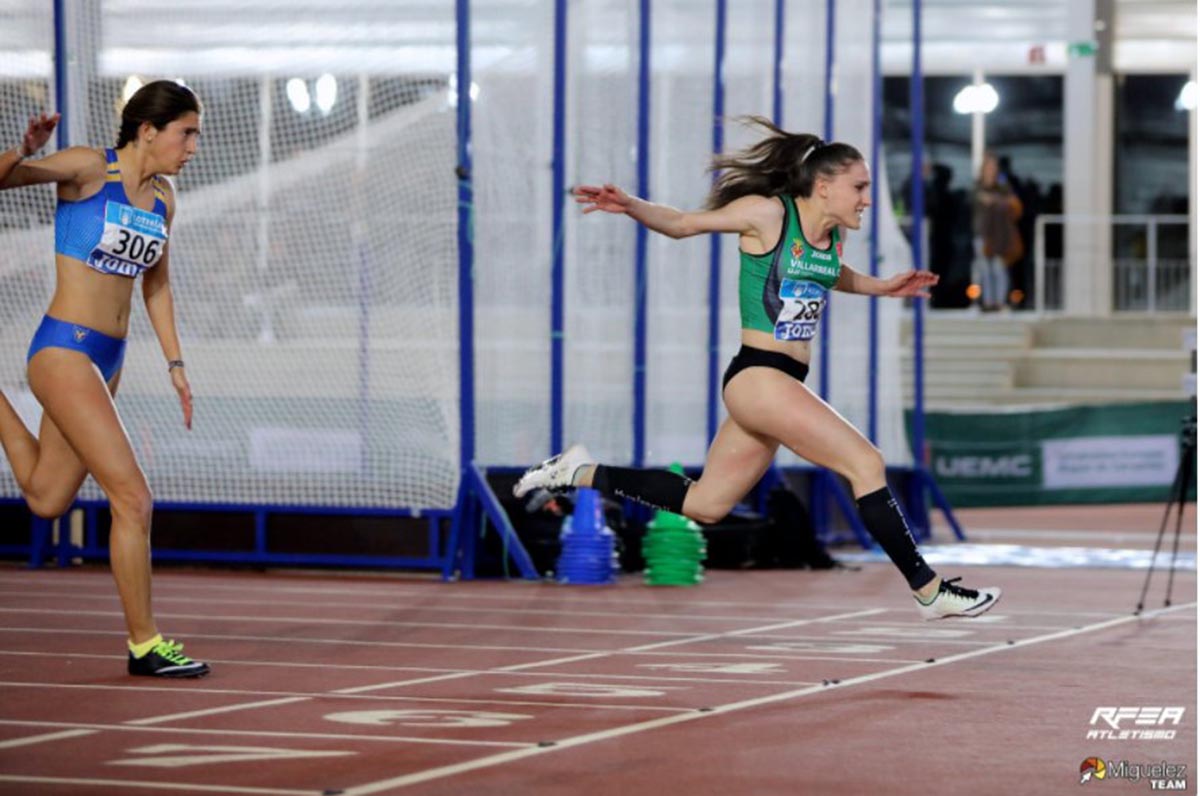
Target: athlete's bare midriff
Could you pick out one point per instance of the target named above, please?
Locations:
(90, 298)
(799, 350)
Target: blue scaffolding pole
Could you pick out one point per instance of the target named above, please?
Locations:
(642, 235)
(476, 499)
(922, 482)
(825, 484)
(714, 240)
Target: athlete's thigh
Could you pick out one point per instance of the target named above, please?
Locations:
(82, 416)
(59, 472)
(771, 403)
(736, 461)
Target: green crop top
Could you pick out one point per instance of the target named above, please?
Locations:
(783, 291)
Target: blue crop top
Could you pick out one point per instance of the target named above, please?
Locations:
(107, 233)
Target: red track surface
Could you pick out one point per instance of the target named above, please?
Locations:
(357, 685)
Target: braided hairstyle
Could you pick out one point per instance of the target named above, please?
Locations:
(782, 163)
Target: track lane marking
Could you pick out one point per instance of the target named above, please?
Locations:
(32, 740)
(629, 729)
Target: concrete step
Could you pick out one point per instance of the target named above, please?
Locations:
(1125, 369)
(977, 379)
(959, 329)
(1088, 395)
(1164, 332)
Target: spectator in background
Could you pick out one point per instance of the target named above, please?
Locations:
(998, 243)
(1021, 272)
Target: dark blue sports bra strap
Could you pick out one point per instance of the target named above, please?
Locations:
(110, 155)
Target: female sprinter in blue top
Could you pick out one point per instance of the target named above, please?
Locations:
(113, 222)
(787, 197)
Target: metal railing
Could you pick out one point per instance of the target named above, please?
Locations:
(1143, 282)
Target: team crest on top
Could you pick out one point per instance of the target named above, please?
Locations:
(798, 248)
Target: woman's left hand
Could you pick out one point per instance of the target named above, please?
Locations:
(179, 379)
(910, 283)
(37, 133)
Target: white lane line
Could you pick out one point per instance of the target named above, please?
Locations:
(750, 631)
(157, 786)
(285, 664)
(769, 656)
(304, 639)
(108, 594)
(514, 591)
(322, 736)
(32, 740)
(310, 620)
(514, 668)
(191, 714)
(374, 697)
(629, 729)
(879, 638)
(609, 654)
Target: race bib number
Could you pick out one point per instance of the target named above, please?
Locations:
(803, 303)
(133, 240)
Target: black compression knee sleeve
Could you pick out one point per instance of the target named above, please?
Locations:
(883, 519)
(659, 489)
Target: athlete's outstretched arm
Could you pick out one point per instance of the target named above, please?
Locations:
(160, 306)
(909, 283)
(746, 215)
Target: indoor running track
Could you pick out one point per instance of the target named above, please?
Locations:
(770, 682)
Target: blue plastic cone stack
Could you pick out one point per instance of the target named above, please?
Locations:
(674, 549)
(588, 544)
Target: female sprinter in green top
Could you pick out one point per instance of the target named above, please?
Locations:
(787, 197)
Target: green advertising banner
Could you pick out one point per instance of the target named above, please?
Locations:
(1118, 453)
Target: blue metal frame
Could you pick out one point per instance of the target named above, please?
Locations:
(714, 240)
(825, 483)
(827, 133)
(873, 255)
(40, 537)
(558, 198)
(923, 480)
(777, 68)
(466, 240)
(916, 101)
(474, 493)
(643, 190)
(63, 135)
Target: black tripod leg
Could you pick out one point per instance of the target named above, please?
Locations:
(1175, 487)
(1181, 493)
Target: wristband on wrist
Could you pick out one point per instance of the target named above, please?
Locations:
(174, 363)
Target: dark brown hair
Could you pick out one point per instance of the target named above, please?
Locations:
(782, 163)
(159, 102)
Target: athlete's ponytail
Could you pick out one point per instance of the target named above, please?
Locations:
(781, 163)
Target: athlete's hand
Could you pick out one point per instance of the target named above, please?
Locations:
(910, 283)
(608, 198)
(179, 379)
(38, 133)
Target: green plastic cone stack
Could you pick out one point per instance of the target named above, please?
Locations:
(674, 549)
